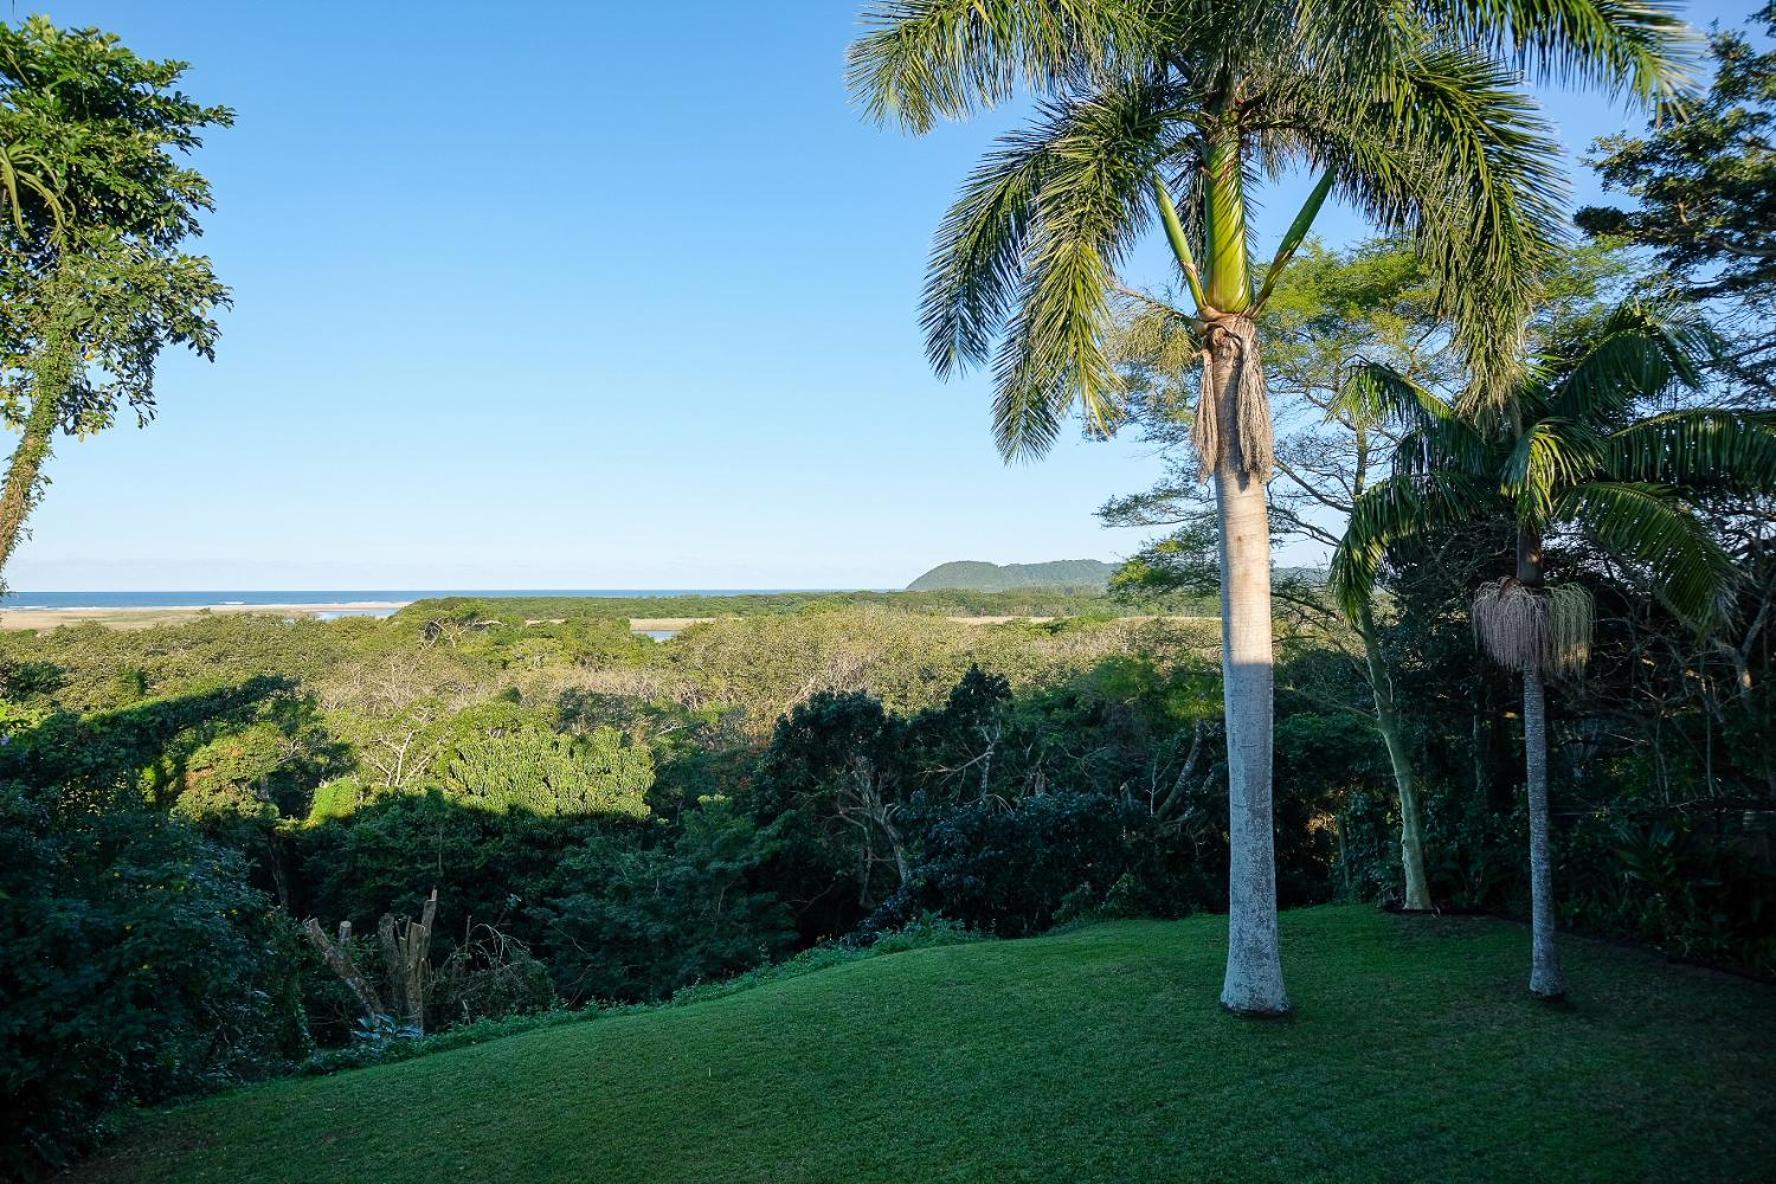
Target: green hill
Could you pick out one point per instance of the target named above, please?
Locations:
(1093, 1055)
(975, 576)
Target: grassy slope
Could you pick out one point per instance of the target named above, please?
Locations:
(1098, 1054)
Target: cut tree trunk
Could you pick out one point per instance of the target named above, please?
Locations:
(406, 946)
(1254, 980)
(339, 959)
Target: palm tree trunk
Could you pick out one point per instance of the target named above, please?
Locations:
(1387, 722)
(1254, 981)
(1545, 978)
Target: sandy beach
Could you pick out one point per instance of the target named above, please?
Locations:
(142, 618)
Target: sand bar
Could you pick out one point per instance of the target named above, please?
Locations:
(142, 618)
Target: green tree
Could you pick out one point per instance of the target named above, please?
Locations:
(546, 773)
(93, 285)
(1704, 185)
(1578, 446)
(1705, 202)
(1171, 110)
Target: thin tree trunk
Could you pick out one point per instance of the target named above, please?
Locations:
(1254, 981)
(1545, 978)
(24, 472)
(1387, 722)
(1480, 730)
(52, 372)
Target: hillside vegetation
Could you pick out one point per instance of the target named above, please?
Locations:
(955, 601)
(976, 576)
(1092, 1055)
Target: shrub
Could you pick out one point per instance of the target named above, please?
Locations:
(1010, 871)
(628, 922)
(490, 976)
(139, 966)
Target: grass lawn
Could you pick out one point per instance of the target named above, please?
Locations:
(1100, 1054)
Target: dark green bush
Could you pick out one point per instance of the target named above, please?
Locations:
(630, 922)
(139, 966)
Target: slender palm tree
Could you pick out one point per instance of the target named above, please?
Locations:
(1570, 449)
(1170, 111)
(1330, 312)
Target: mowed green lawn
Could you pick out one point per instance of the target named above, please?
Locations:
(1094, 1055)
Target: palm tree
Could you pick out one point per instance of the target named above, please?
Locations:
(1169, 110)
(1330, 312)
(1568, 450)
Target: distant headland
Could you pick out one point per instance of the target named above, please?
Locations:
(976, 576)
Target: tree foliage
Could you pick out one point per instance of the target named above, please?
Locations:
(1704, 185)
(94, 285)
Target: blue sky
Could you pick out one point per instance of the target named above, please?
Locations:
(567, 295)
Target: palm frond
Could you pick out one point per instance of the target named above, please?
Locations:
(1699, 448)
(1552, 454)
(1179, 240)
(1435, 437)
(1374, 393)
(1447, 149)
(1639, 352)
(1402, 507)
(1292, 238)
(977, 257)
(1639, 47)
(1099, 154)
(1648, 525)
(923, 60)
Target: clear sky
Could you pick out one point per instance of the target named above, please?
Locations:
(567, 295)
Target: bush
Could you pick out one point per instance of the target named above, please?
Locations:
(490, 976)
(548, 774)
(627, 922)
(1010, 871)
(139, 966)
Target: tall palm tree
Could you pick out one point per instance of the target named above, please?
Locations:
(1170, 110)
(1330, 312)
(1569, 449)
